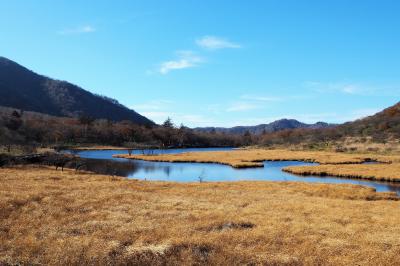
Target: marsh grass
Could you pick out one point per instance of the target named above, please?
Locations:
(65, 218)
(255, 157)
(379, 172)
(340, 164)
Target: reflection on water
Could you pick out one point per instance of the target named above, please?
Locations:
(107, 154)
(102, 162)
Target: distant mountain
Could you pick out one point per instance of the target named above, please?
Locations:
(23, 89)
(382, 127)
(267, 128)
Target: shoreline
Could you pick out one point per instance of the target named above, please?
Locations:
(352, 171)
(340, 165)
(104, 148)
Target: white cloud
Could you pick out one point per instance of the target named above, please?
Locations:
(251, 102)
(192, 120)
(78, 30)
(329, 117)
(215, 43)
(156, 110)
(195, 120)
(242, 106)
(152, 105)
(261, 98)
(186, 59)
(366, 112)
(159, 110)
(341, 87)
(362, 113)
(215, 109)
(156, 116)
(355, 88)
(351, 89)
(305, 118)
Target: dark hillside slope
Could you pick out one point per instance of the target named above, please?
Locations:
(23, 89)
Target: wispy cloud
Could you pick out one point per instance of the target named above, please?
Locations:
(215, 43)
(78, 30)
(186, 59)
(330, 117)
(189, 59)
(362, 113)
(157, 104)
(305, 118)
(159, 110)
(341, 87)
(191, 120)
(247, 102)
(215, 109)
(195, 119)
(242, 106)
(354, 88)
(156, 116)
(261, 98)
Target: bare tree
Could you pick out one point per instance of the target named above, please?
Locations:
(130, 146)
(201, 176)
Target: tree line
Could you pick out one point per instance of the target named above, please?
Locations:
(34, 129)
(29, 129)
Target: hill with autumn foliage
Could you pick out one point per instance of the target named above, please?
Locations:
(382, 128)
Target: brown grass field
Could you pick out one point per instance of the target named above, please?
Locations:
(254, 157)
(49, 217)
(380, 172)
(340, 164)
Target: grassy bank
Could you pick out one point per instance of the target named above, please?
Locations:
(380, 172)
(255, 157)
(334, 164)
(50, 217)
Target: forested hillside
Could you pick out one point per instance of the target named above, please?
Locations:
(30, 130)
(383, 127)
(23, 89)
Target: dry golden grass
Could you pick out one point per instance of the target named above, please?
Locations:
(381, 172)
(333, 163)
(255, 157)
(367, 145)
(63, 218)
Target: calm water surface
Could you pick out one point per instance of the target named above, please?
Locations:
(102, 161)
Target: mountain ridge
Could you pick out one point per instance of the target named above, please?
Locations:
(24, 89)
(274, 126)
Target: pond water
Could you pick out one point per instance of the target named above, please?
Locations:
(107, 154)
(103, 162)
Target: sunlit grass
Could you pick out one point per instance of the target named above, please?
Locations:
(332, 163)
(380, 172)
(50, 217)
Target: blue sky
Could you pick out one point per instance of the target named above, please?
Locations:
(216, 63)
